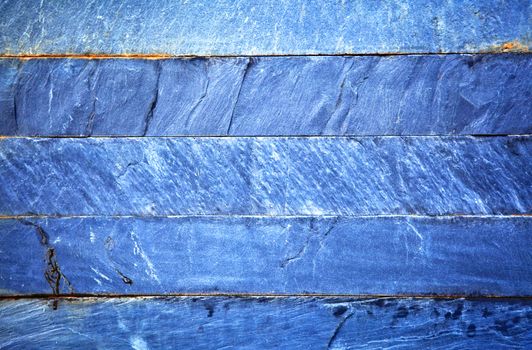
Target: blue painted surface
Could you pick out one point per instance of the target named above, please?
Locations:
(225, 27)
(378, 256)
(271, 176)
(365, 95)
(266, 323)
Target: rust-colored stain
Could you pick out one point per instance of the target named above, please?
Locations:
(512, 46)
(88, 56)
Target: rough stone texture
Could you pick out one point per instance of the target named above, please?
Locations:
(282, 215)
(272, 176)
(365, 95)
(225, 27)
(266, 323)
(378, 256)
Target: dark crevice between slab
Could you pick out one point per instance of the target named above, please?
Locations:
(472, 297)
(262, 216)
(508, 47)
(312, 136)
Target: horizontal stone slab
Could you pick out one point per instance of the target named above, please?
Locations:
(378, 256)
(363, 95)
(266, 176)
(224, 27)
(265, 323)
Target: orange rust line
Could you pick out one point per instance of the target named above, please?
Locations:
(91, 56)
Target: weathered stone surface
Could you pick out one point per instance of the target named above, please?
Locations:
(266, 323)
(378, 256)
(273, 176)
(364, 95)
(360, 210)
(225, 27)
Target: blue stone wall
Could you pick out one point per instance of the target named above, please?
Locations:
(265, 175)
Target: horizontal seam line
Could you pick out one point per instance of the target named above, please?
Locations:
(260, 136)
(261, 295)
(185, 56)
(51, 216)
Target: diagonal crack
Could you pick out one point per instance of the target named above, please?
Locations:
(201, 98)
(16, 88)
(299, 254)
(340, 97)
(246, 70)
(125, 279)
(406, 89)
(52, 274)
(333, 225)
(322, 238)
(91, 82)
(326, 233)
(338, 329)
(126, 168)
(312, 232)
(356, 88)
(109, 246)
(153, 103)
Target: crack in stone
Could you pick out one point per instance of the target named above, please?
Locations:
(153, 103)
(109, 246)
(406, 89)
(326, 233)
(333, 225)
(337, 330)
(16, 88)
(340, 96)
(201, 98)
(322, 244)
(129, 165)
(246, 70)
(92, 88)
(52, 274)
(372, 65)
(301, 252)
(125, 279)
(298, 255)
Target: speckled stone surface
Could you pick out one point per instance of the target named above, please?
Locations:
(273, 176)
(364, 95)
(332, 255)
(225, 27)
(266, 323)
